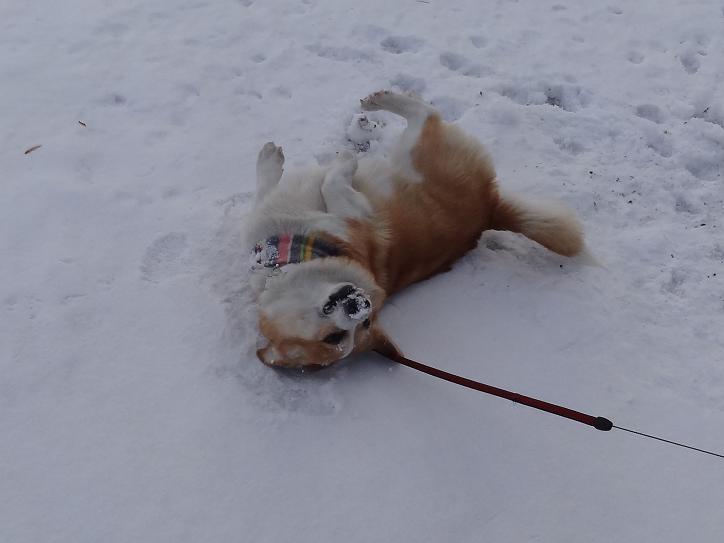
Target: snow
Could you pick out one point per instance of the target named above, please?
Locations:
(132, 407)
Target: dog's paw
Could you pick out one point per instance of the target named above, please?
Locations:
(407, 105)
(376, 100)
(271, 154)
(269, 167)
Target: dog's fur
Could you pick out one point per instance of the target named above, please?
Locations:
(396, 221)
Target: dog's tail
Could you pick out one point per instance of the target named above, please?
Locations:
(549, 223)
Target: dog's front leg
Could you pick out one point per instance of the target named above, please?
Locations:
(340, 197)
(269, 169)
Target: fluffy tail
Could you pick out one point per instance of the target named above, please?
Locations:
(549, 223)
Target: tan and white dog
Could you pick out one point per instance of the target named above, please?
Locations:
(330, 245)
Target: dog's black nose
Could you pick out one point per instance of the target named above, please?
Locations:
(351, 307)
(341, 294)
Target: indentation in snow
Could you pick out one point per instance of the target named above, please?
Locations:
(566, 96)
(401, 44)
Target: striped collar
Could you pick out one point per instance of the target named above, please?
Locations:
(278, 251)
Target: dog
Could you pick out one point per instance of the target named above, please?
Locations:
(330, 245)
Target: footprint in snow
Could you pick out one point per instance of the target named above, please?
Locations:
(463, 65)
(341, 54)
(453, 61)
(29, 305)
(693, 49)
(569, 145)
(635, 57)
(566, 96)
(650, 112)
(113, 29)
(450, 108)
(659, 142)
(705, 166)
(408, 83)
(690, 61)
(684, 205)
(163, 258)
(282, 91)
(704, 157)
(401, 44)
(238, 199)
(712, 113)
(478, 41)
(112, 99)
(674, 284)
(70, 298)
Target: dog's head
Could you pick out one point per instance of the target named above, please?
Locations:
(316, 314)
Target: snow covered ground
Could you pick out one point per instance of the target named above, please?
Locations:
(131, 405)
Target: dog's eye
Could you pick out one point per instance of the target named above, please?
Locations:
(335, 338)
(328, 308)
(366, 323)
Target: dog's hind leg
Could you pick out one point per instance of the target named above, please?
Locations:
(430, 148)
(269, 169)
(416, 113)
(340, 197)
(409, 107)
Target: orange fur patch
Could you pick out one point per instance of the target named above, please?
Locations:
(429, 225)
(285, 351)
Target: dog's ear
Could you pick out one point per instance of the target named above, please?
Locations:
(266, 355)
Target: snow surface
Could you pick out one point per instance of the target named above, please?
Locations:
(131, 405)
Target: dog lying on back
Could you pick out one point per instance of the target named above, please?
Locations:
(330, 245)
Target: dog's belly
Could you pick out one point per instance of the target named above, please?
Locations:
(300, 190)
(375, 179)
(436, 221)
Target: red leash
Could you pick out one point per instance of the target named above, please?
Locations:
(599, 423)
(388, 350)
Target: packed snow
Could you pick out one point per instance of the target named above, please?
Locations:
(132, 406)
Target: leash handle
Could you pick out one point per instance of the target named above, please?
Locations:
(599, 423)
